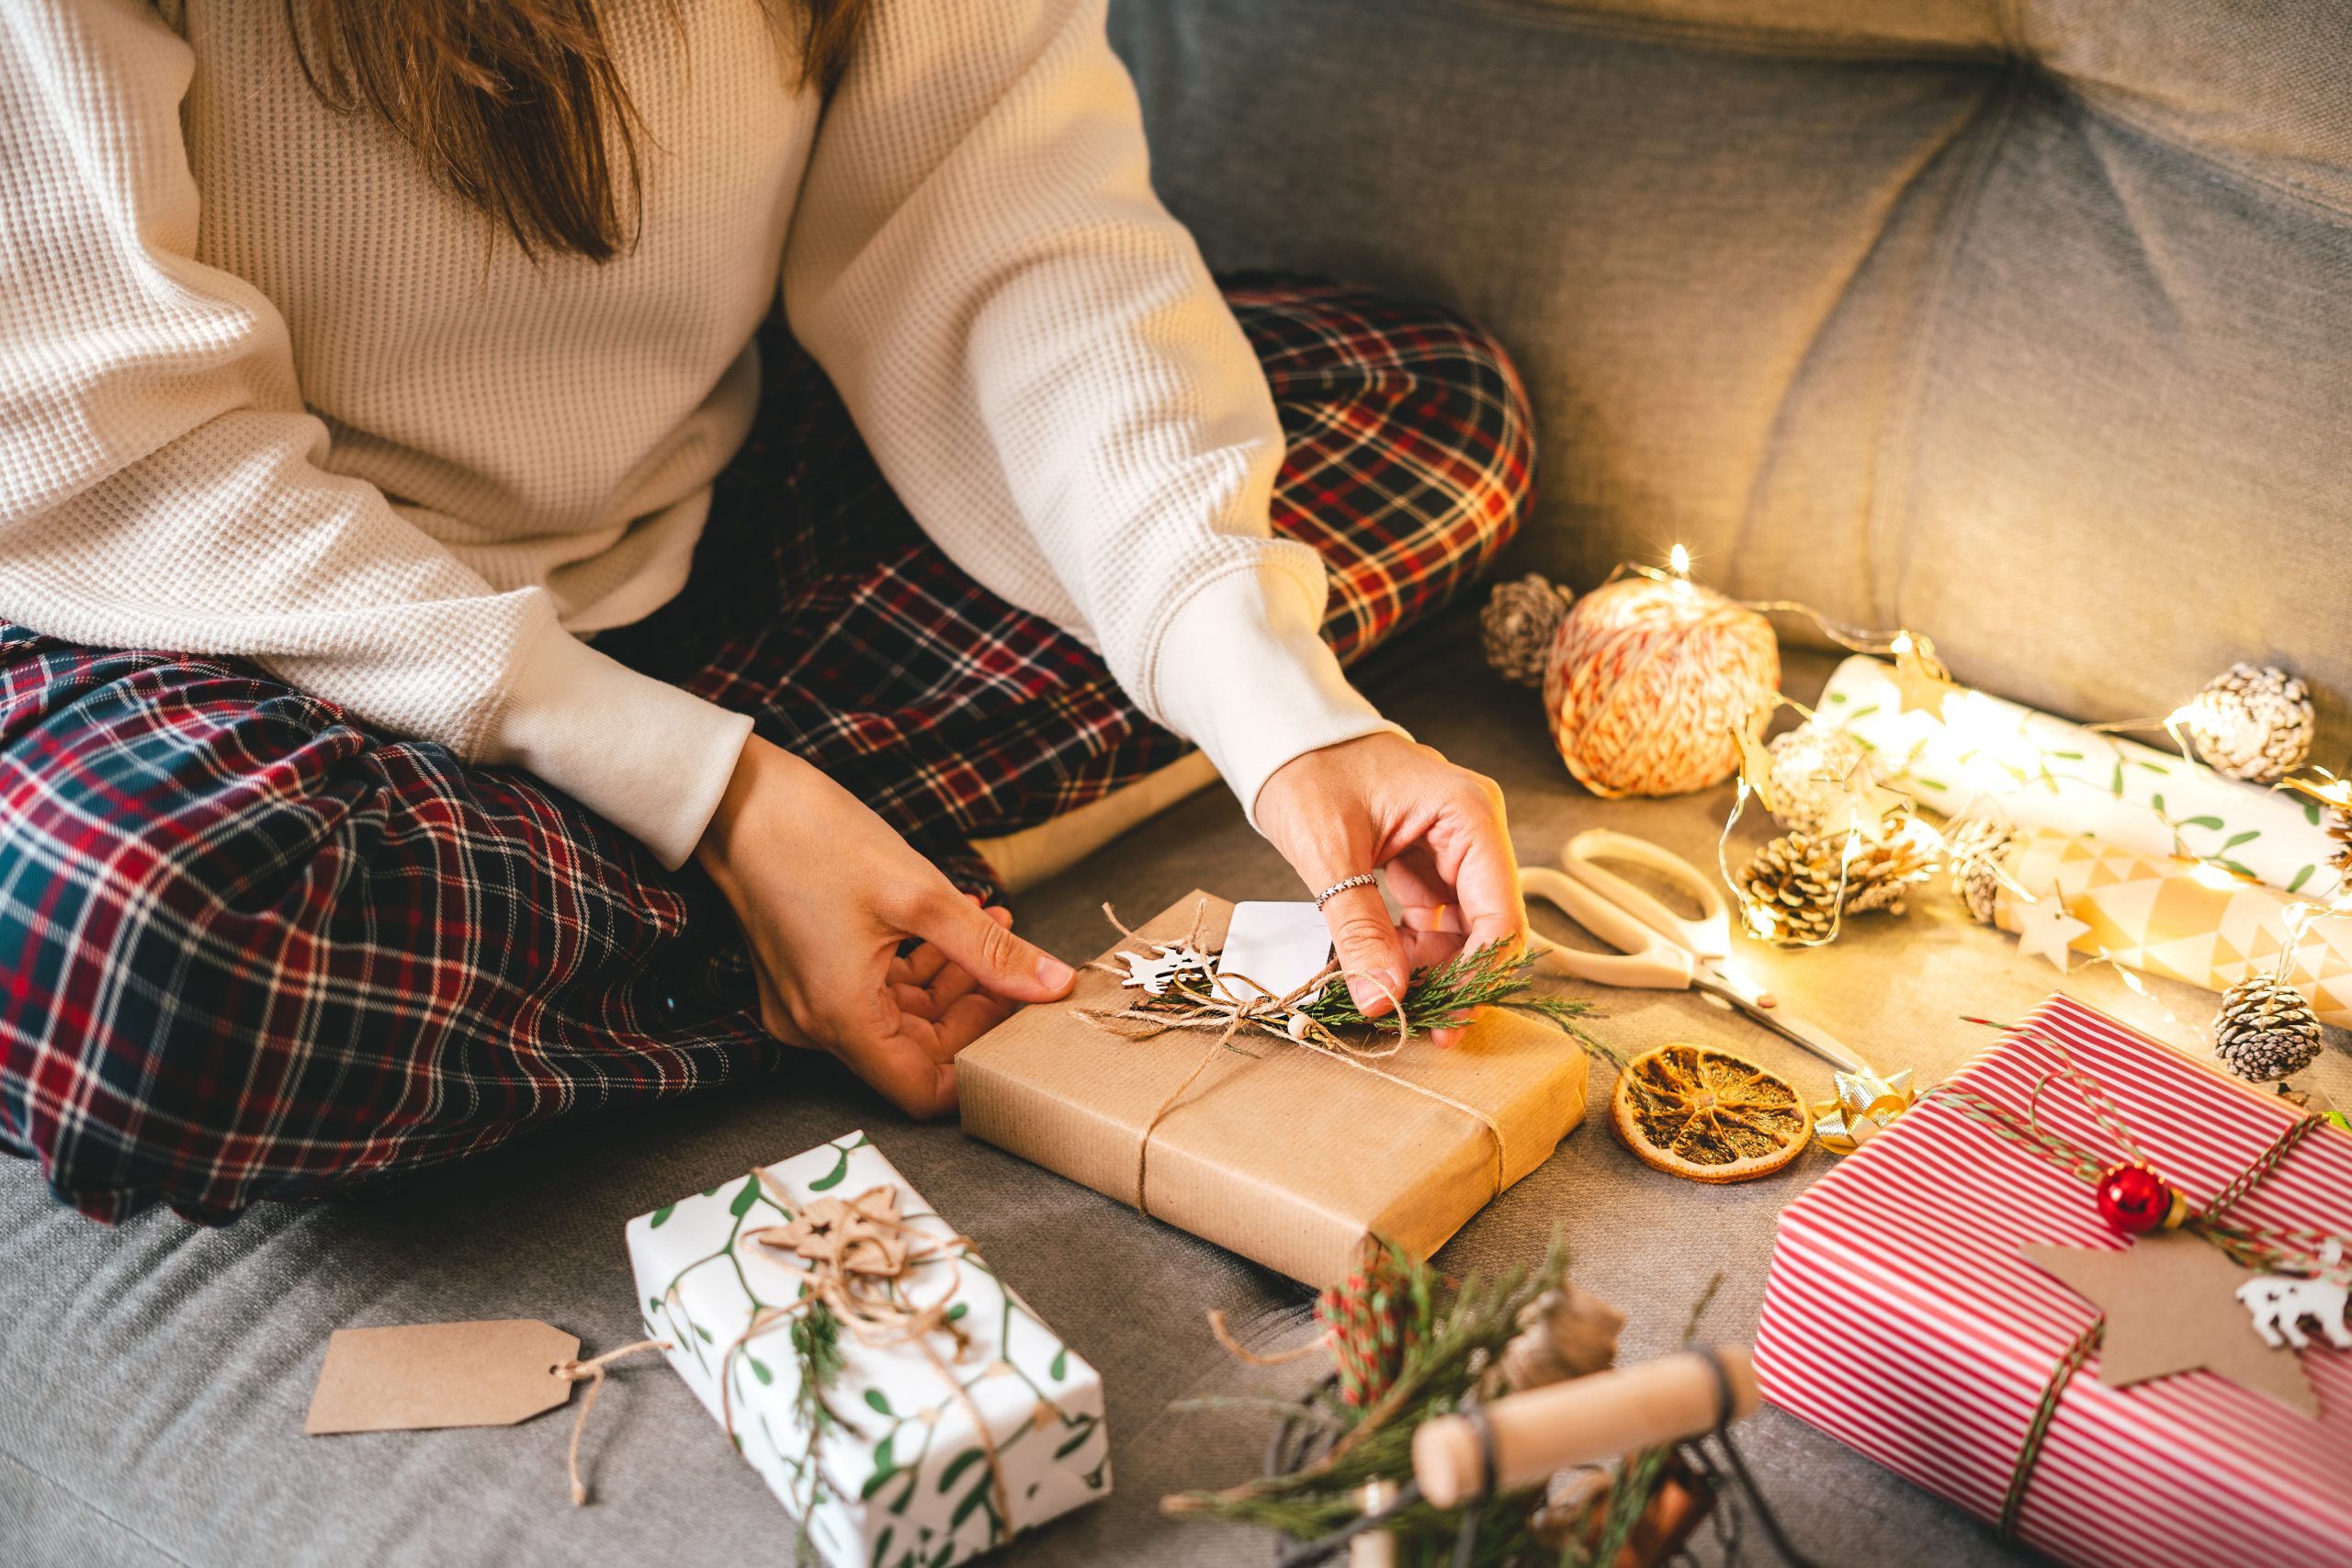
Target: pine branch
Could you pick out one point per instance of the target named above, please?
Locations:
(1443, 996)
(1440, 1374)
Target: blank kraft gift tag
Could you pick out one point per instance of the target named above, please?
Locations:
(440, 1374)
(1280, 946)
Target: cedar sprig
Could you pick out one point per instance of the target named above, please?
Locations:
(1439, 1374)
(1436, 1373)
(1443, 996)
(816, 1339)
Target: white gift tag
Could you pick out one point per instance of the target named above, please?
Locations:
(1279, 946)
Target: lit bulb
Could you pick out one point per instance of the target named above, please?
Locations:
(2212, 875)
(1680, 559)
(1902, 643)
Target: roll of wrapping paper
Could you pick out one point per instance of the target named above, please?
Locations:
(2181, 918)
(2035, 771)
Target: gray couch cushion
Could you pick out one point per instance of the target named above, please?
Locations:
(2027, 325)
(152, 1379)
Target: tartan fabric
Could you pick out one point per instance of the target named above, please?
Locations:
(250, 949)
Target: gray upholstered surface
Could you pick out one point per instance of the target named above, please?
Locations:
(152, 1379)
(2024, 322)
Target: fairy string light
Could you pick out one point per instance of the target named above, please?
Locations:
(1926, 685)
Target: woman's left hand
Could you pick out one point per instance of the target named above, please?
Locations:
(1381, 803)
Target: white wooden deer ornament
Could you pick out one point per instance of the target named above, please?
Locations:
(2280, 1304)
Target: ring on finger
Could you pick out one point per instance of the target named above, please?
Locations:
(1361, 879)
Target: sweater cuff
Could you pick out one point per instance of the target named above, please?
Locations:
(640, 753)
(1243, 673)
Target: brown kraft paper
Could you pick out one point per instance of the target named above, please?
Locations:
(1284, 1156)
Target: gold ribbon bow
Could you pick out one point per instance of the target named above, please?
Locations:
(1864, 1104)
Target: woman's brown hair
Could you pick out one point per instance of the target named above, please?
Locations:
(516, 104)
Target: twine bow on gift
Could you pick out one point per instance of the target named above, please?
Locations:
(2248, 1243)
(854, 1256)
(1216, 1006)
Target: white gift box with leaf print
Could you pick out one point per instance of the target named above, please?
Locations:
(897, 1476)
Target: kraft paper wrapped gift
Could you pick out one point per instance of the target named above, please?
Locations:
(903, 1479)
(1287, 1155)
(1904, 1318)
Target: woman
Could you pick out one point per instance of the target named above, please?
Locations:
(441, 653)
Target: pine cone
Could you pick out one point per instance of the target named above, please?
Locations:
(2338, 821)
(1814, 768)
(1976, 852)
(2252, 722)
(1566, 1332)
(2266, 1029)
(1519, 625)
(1791, 885)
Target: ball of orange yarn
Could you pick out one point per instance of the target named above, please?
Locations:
(1649, 679)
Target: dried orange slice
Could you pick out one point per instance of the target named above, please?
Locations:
(1707, 1115)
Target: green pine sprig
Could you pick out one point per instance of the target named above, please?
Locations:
(1472, 1323)
(1444, 996)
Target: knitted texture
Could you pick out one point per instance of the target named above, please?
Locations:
(265, 391)
(216, 893)
(1649, 681)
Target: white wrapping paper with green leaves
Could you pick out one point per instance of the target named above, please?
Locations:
(2038, 772)
(942, 1416)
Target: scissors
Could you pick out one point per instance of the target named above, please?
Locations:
(1658, 949)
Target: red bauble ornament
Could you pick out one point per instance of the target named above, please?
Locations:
(2135, 1199)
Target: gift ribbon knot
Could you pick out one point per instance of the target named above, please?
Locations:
(2252, 1245)
(854, 1258)
(1221, 1009)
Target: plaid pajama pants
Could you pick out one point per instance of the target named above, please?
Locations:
(251, 949)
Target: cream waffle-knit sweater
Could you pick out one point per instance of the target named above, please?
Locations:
(265, 391)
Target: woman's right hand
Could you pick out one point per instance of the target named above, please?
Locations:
(827, 893)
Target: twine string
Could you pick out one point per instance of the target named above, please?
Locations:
(591, 1372)
(2030, 1452)
(2253, 1245)
(2250, 1243)
(858, 1275)
(1227, 1014)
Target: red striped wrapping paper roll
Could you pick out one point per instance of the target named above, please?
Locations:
(1901, 1318)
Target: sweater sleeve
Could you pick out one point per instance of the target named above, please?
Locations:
(1048, 374)
(162, 484)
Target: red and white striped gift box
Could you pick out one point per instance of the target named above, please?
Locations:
(1902, 1319)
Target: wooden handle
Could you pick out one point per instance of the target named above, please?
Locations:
(1582, 1421)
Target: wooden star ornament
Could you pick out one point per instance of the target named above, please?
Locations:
(1865, 806)
(2045, 929)
(2171, 1306)
(1921, 682)
(1756, 767)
